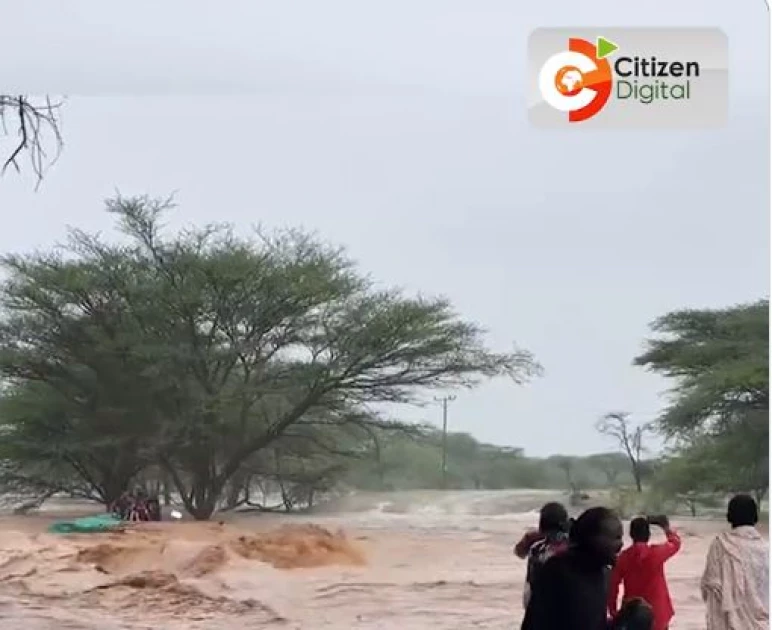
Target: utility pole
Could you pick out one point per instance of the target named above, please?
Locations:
(444, 402)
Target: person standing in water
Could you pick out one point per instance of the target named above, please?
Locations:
(553, 539)
(735, 584)
(640, 570)
(570, 590)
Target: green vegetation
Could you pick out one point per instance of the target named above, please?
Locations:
(718, 417)
(415, 462)
(207, 359)
(228, 371)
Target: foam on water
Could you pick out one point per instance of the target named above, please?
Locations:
(489, 503)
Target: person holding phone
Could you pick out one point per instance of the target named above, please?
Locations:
(554, 525)
(640, 570)
(550, 515)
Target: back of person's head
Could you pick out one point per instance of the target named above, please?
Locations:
(589, 524)
(553, 517)
(640, 531)
(635, 614)
(742, 511)
(597, 534)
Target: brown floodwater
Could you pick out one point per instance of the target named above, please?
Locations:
(413, 561)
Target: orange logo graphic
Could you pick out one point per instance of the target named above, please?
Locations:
(578, 80)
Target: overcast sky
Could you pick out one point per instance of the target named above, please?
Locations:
(399, 130)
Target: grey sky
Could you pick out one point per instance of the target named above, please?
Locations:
(400, 131)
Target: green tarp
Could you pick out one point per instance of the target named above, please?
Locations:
(86, 525)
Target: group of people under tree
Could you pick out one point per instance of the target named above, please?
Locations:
(576, 570)
(136, 506)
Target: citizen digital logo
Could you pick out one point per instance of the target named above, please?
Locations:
(653, 67)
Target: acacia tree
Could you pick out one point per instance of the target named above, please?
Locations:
(630, 438)
(566, 464)
(719, 363)
(73, 441)
(313, 456)
(610, 464)
(222, 344)
(688, 477)
(738, 457)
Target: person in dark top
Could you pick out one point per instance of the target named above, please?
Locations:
(570, 591)
(553, 527)
(552, 512)
(121, 506)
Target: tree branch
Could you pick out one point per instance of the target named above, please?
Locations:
(33, 121)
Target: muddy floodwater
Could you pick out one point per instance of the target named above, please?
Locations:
(406, 561)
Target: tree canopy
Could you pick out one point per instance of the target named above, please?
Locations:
(719, 360)
(197, 351)
(719, 409)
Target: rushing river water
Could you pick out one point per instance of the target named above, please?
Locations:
(397, 561)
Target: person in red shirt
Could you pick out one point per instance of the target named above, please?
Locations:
(640, 570)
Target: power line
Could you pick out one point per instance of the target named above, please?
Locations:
(444, 400)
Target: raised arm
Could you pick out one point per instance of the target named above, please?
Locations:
(670, 547)
(526, 542)
(615, 581)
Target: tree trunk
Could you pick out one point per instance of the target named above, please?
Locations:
(637, 477)
(200, 500)
(203, 500)
(166, 491)
(693, 508)
(112, 490)
(203, 511)
(205, 493)
(236, 488)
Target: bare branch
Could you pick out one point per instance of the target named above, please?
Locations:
(27, 122)
(630, 438)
